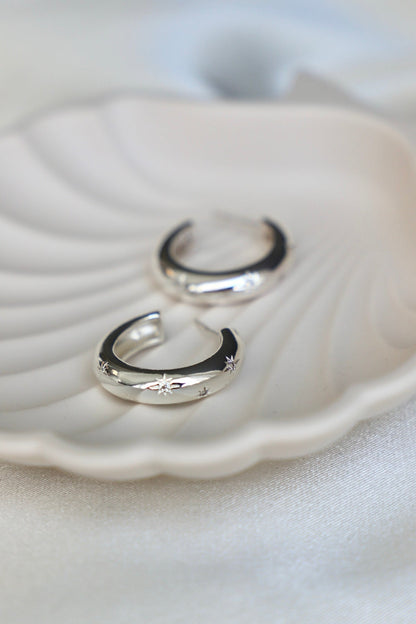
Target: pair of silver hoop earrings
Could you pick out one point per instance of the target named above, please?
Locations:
(189, 383)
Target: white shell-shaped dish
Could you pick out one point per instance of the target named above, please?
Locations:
(85, 196)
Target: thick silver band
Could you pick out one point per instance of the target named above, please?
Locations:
(162, 387)
(220, 287)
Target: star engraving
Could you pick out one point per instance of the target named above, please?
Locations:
(230, 364)
(247, 281)
(203, 392)
(164, 386)
(104, 367)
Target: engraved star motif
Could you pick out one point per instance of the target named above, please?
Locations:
(203, 392)
(230, 364)
(104, 367)
(164, 385)
(247, 281)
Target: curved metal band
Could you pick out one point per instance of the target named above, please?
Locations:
(208, 287)
(162, 387)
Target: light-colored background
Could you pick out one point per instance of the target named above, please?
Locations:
(328, 538)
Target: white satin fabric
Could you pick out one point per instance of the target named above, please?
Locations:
(327, 538)
(53, 52)
(324, 539)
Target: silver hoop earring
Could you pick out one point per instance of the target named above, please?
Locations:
(220, 287)
(165, 386)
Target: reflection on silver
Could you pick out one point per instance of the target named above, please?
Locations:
(163, 387)
(220, 287)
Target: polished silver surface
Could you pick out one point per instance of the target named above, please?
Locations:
(164, 386)
(220, 287)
